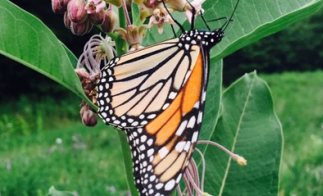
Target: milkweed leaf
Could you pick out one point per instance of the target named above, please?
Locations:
(27, 40)
(248, 126)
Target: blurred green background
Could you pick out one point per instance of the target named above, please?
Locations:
(43, 142)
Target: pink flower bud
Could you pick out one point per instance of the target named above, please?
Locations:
(67, 21)
(88, 116)
(57, 7)
(110, 20)
(81, 28)
(76, 11)
(97, 18)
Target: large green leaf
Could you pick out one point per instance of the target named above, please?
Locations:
(248, 126)
(212, 104)
(25, 39)
(253, 20)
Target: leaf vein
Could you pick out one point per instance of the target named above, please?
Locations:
(235, 137)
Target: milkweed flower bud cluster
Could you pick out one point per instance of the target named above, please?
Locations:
(98, 51)
(88, 115)
(81, 15)
(159, 15)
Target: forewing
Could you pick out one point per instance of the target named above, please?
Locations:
(135, 88)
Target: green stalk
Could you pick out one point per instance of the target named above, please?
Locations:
(121, 44)
(122, 48)
(127, 163)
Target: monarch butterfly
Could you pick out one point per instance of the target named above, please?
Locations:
(157, 95)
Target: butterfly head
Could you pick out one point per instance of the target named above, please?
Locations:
(211, 38)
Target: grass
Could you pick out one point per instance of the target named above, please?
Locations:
(74, 158)
(298, 101)
(29, 115)
(43, 144)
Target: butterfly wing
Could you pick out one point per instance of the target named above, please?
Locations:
(162, 149)
(157, 96)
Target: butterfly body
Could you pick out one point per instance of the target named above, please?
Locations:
(205, 39)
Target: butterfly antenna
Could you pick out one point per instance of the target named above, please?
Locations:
(226, 24)
(172, 26)
(205, 22)
(178, 24)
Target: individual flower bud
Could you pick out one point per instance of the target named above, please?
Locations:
(110, 20)
(81, 28)
(67, 21)
(58, 7)
(88, 116)
(76, 11)
(133, 35)
(159, 17)
(97, 18)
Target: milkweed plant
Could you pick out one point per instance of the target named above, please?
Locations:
(239, 121)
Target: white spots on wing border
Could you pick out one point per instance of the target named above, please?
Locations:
(191, 122)
(170, 185)
(181, 128)
(180, 146)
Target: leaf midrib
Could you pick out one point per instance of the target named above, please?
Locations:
(235, 138)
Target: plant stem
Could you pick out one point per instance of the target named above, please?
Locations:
(121, 44)
(122, 48)
(126, 12)
(127, 163)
